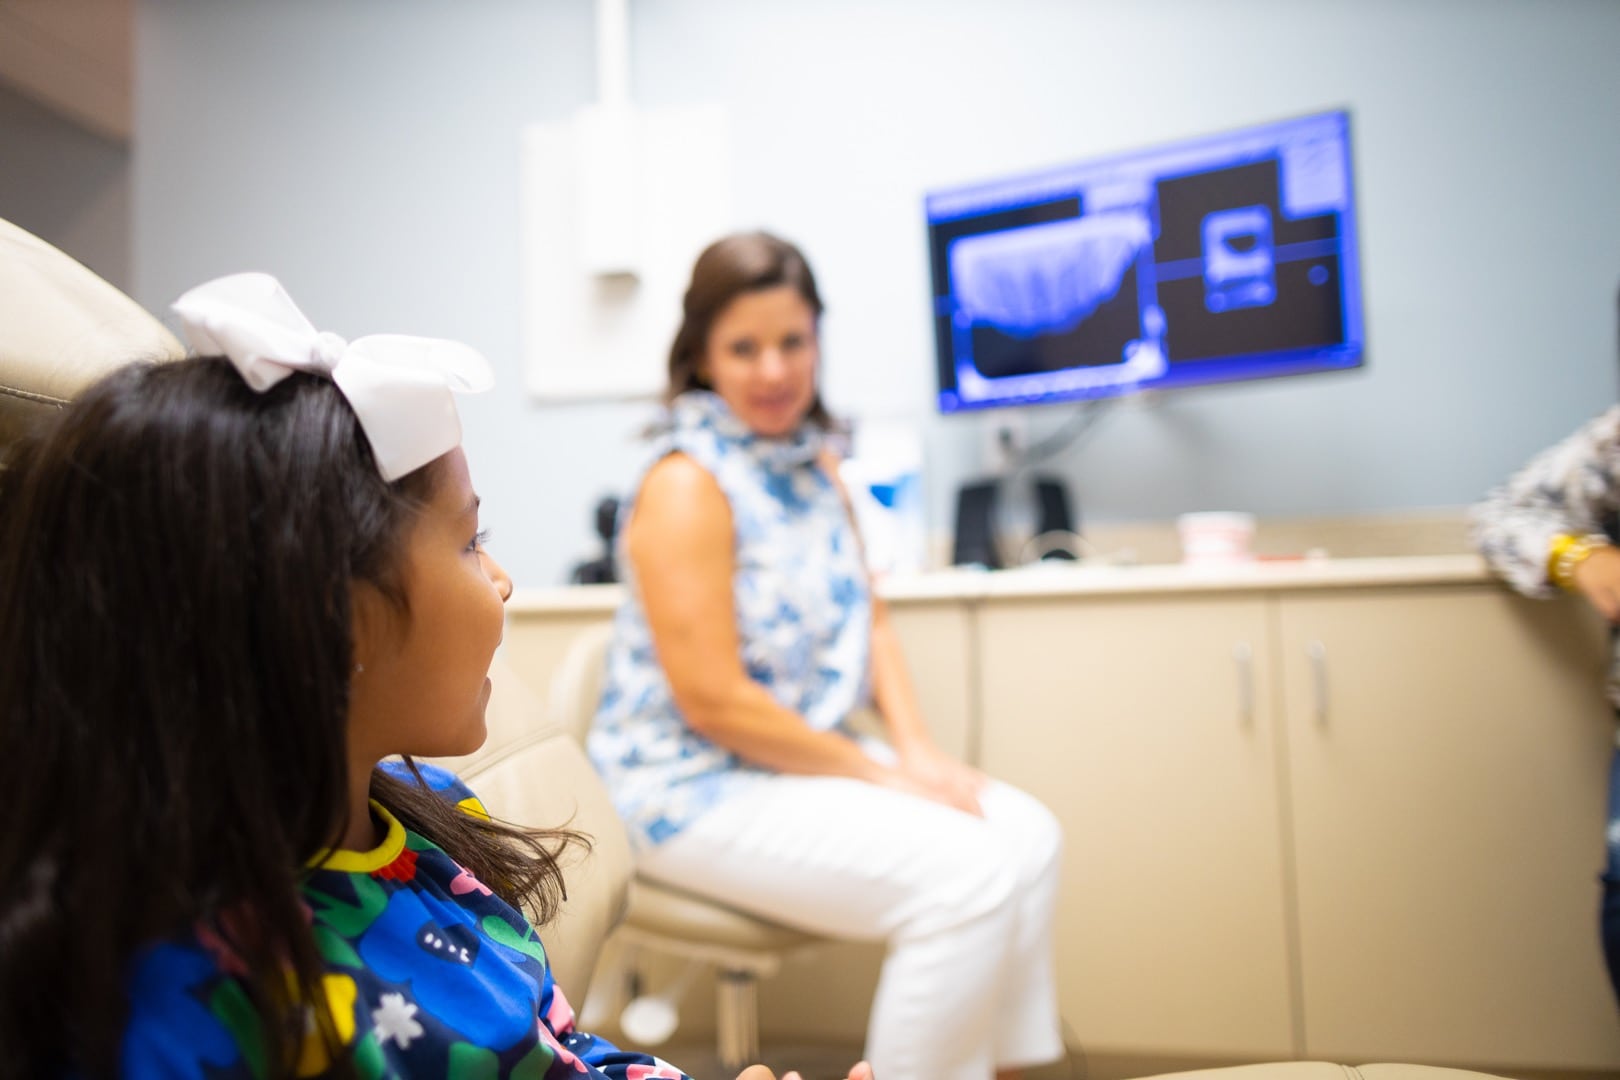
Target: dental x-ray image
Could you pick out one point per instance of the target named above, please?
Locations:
(1221, 258)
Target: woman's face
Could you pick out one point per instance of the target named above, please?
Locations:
(761, 359)
(425, 678)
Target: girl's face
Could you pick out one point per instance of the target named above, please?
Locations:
(761, 359)
(424, 681)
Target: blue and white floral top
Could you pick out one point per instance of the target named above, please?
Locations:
(803, 610)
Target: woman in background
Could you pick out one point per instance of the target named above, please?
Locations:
(749, 636)
(1551, 526)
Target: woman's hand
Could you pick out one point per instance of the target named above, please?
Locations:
(938, 776)
(1598, 579)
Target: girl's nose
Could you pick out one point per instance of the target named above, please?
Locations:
(503, 584)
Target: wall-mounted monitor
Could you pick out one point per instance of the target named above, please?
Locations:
(1213, 259)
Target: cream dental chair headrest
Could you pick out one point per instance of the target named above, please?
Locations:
(61, 328)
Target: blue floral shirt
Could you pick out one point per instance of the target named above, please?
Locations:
(803, 613)
(428, 973)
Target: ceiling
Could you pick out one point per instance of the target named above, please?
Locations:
(73, 56)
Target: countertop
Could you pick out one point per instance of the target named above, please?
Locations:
(1068, 579)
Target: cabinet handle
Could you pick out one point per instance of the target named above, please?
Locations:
(1319, 679)
(1243, 657)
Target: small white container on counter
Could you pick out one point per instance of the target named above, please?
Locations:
(1216, 538)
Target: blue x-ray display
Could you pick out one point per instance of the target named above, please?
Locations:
(1227, 257)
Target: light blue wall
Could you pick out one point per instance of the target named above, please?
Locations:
(366, 152)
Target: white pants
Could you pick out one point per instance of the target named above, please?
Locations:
(964, 904)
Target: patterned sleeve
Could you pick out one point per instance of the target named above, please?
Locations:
(576, 1052)
(1567, 488)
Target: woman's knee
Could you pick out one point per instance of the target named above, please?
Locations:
(970, 879)
(1045, 842)
(1033, 837)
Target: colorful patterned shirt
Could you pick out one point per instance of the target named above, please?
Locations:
(1573, 487)
(803, 613)
(427, 974)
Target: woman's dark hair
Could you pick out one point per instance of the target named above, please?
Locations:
(177, 554)
(728, 268)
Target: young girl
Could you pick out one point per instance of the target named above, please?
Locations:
(233, 585)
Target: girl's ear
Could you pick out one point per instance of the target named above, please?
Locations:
(371, 623)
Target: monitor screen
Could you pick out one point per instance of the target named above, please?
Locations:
(1225, 257)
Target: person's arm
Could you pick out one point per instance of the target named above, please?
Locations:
(575, 1053)
(679, 542)
(951, 781)
(895, 699)
(1597, 578)
(1543, 528)
(573, 1050)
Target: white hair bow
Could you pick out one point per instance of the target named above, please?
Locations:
(400, 387)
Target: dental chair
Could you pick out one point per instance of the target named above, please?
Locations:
(61, 328)
(532, 772)
(742, 948)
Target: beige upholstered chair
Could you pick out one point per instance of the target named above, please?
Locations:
(61, 328)
(1321, 1070)
(531, 772)
(742, 948)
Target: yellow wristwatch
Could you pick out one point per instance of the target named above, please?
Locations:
(1568, 551)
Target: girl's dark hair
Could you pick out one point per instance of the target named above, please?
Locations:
(177, 554)
(729, 267)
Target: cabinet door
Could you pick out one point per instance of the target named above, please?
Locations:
(1448, 755)
(1138, 722)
